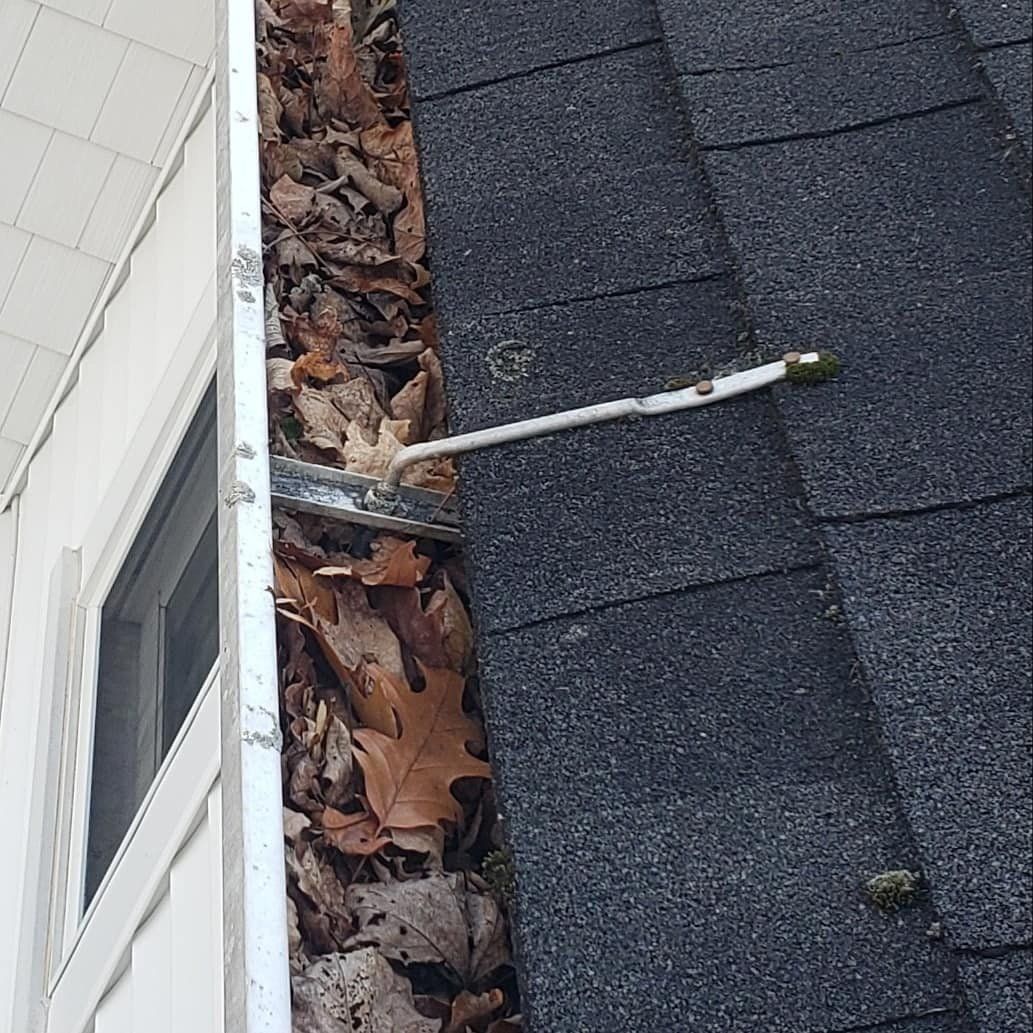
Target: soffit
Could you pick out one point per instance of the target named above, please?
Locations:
(93, 94)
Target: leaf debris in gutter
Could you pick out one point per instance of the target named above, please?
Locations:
(389, 811)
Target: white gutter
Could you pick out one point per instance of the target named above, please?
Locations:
(384, 496)
(256, 969)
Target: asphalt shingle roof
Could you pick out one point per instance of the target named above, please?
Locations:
(732, 662)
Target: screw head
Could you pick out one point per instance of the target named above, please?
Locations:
(791, 358)
(704, 387)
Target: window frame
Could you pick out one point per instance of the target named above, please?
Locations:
(106, 546)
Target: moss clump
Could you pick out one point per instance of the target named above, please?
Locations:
(894, 889)
(291, 428)
(500, 874)
(825, 368)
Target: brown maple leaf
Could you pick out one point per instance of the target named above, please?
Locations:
(409, 779)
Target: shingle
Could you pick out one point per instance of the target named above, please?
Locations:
(509, 367)
(514, 224)
(705, 34)
(940, 607)
(694, 794)
(1011, 71)
(997, 21)
(938, 1022)
(618, 511)
(458, 44)
(933, 383)
(926, 200)
(1000, 991)
(825, 94)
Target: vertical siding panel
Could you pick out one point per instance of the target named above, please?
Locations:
(152, 972)
(8, 541)
(215, 874)
(114, 348)
(20, 716)
(199, 169)
(86, 485)
(141, 345)
(155, 329)
(64, 532)
(115, 1013)
(194, 961)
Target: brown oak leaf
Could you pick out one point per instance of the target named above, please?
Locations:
(409, 779)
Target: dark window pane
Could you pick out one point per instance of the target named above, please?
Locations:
(159, 639)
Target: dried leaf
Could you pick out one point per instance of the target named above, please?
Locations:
(469, 1008)
(294, 823)
(410, 403)
(440, 635)
(293, 200)
(346, 627)
(409, 779)
(513, 1024)
(269, 110)
(337, 416)
(362, 282)
(278, 374)
(425, 921)
(355, 993)
(315, 366)
(394, 562)
(336, 776)
(354, 834)
(340, 90)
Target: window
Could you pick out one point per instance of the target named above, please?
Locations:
(159, 638)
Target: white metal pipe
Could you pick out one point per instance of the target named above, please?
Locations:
(721, 388)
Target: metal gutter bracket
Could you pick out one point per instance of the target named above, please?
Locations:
(388, 504)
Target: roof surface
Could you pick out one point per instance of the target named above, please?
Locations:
(738, 661)
(92, 96)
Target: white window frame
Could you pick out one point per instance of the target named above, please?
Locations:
(106, 545)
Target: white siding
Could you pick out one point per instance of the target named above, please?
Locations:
(150, 935)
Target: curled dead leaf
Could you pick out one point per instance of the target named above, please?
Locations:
(393, 562)
(354, 834)
(437, 920)
(469, 1008)
(355, 993)
(440, 635)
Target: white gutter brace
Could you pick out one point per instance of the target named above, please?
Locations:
(384, 497)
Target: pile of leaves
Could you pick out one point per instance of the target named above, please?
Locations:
(398, 884)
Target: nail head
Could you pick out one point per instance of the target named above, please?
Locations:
(791, 358)
(704, 387)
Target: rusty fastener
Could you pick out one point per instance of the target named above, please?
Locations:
(704, 387)
(791, 358)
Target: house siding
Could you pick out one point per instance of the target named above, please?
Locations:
(87, 488)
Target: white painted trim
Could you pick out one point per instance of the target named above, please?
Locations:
(147, 457)
(257, 978)
(106, 544)
(8, 566)
(33, 922)
(94, 322)
(175, 803)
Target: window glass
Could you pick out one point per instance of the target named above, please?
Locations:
(159, 639)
